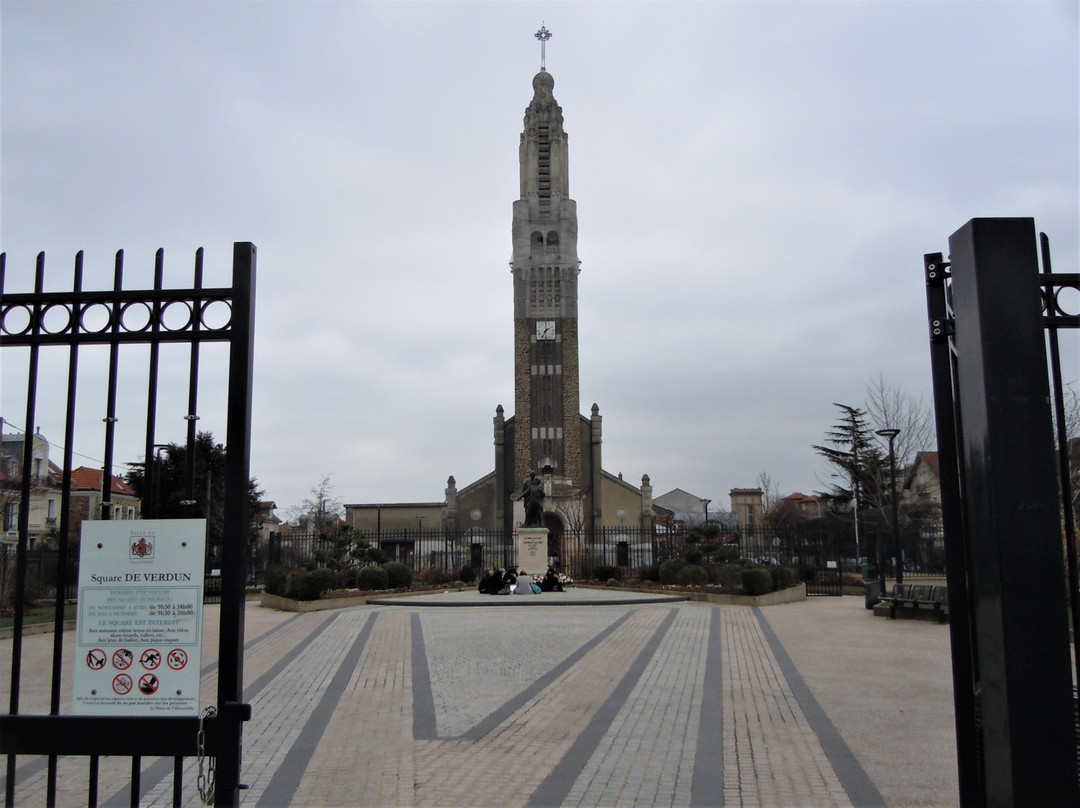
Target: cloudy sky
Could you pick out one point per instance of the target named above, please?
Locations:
(756, 186)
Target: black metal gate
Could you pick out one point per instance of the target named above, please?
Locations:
(823, 566)
(1003, 519)
(116, 317)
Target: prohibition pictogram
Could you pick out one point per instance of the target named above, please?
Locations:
(150, 659)
(121, 684)
(96, 659)
(177, 659)
(148, 684)
(122, 659)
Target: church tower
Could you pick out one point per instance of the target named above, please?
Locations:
(545, 266)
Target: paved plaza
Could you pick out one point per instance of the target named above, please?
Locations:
(575, 699)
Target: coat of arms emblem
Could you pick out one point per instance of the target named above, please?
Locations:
(142, 548)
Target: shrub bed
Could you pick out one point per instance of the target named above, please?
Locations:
(310, 585)
(756, 581)
(693, 575)
(669, 570)
(372, 578)
(400, 576)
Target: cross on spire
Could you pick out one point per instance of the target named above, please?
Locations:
(543, 35)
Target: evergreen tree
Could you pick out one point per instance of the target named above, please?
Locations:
(208, 493)
(853, 451)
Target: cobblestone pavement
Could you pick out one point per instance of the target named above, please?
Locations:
(646, 704)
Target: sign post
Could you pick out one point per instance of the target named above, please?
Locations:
(139, 627)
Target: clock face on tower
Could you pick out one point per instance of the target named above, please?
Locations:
(545, 329)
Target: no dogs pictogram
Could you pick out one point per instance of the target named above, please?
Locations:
(148, 684)
(96, 659)
(177, 659)
(122, 659)
(121, 684)
(150, 659)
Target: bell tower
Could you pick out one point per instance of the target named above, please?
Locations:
(545, 266)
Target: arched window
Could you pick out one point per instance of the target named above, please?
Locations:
(552, 243)
(537, 243)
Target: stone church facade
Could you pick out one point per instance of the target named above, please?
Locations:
(547, 434)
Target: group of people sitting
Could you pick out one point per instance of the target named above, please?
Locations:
(514, 582)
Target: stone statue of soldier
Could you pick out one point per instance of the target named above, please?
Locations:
(532, 494)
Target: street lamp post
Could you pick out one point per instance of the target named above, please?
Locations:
(891, 434)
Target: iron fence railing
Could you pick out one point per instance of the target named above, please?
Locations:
(629, 549)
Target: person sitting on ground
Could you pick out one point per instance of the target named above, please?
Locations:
(524, 584)
(551, 582)
(509, 581)
(491, 583)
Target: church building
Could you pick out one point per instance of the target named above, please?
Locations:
(547, 434)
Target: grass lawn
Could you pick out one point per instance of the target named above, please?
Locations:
(41, 614)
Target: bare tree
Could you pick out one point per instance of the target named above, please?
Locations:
(770, 490)
(572, 511)
(322, 512)
(1072, 440)
(774, 510)
(889, 407)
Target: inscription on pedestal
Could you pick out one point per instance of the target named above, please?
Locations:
(532, 545)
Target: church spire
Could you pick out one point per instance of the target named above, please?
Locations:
(545, 266)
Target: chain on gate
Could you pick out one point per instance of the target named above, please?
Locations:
(205, 779)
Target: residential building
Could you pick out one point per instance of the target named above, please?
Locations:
(748, 505)
(46, 492)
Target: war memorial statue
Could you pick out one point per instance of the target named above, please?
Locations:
(532, 495)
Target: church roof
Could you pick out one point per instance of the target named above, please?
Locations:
(680, 501)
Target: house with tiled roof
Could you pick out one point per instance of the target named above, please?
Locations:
(86, 498)
(922, 482)
(46, 491)
(806, 506)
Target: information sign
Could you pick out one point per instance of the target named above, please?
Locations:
(139, 621)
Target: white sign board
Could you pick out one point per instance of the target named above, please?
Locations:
(139, 624)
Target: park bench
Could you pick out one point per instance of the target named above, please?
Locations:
(918, 596)
(938, 601)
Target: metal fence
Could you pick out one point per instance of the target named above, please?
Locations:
(631, 551)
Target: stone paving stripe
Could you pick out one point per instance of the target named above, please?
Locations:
(286, 780)
(499, 716)
(163, 767)
(252, 643)
(424, 728)
(707, 789)
(274, 670)
(556, 786)
(859, 787)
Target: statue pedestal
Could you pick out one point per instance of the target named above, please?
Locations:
(532, 547)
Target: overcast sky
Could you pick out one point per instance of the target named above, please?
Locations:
(756, 184)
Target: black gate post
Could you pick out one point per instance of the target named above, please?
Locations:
(965, 672)
(1011, 511)
(237, 525)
